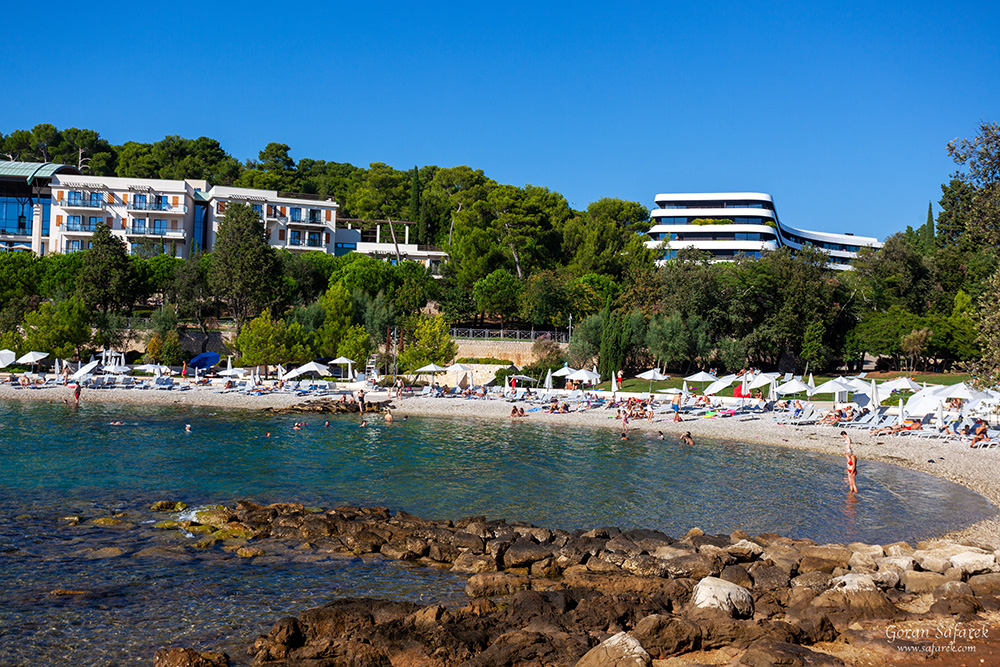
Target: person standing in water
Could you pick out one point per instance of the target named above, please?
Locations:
(852, 463)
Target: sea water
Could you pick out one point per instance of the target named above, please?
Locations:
(58, 461)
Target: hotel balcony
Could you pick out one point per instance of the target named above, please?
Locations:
(79, 228)
(89, 204)
(303, 243)
(160, 207)
(146, 230)
(308, 222)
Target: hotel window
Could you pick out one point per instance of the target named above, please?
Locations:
(314, 239)
(159, 226)
(139, 203)
(93, 223)
(315, 215)
(295, 237)
(259, 210)
(161, 203)
(74, 223)
(96, 199)
(139, 225)
(75, 197)
(296, 214)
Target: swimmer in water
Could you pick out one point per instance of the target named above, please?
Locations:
(659, 435)
(686, 439)
(187, 428)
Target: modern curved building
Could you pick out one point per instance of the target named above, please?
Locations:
(727, 224)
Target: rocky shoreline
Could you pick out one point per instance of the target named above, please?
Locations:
(540, 596)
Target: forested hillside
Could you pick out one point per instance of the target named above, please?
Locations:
(519, 255)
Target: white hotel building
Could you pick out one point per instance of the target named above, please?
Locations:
(726, 224)
(179, 217)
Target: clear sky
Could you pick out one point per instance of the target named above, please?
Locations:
(841, 110)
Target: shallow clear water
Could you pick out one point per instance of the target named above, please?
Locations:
(57, 461)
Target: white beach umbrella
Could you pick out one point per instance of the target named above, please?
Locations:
(701, 376)
(564, 372)
(900, 384)
(717, 386)
(583, 375)
(875, 395)
(32, 357)
(431, 368)
(115, 369)
(672, 390)
(547, 385)
(6, 358)
(614, 383)
(311, 367)
(834, 386)
(652, 374)
(793, 387)
(811, 384)
(772, 391)
(762, 380)
(902, 413)
(960, 390)
(233, 372)
(281, 372)
(350, 365)
(86, 368)
(684, 389)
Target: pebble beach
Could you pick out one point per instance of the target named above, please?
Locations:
(976, 469)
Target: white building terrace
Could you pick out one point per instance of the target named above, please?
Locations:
(727, 224)
(51, 208)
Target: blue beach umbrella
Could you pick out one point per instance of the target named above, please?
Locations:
(204, 360)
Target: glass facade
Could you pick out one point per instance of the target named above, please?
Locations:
(17, 217)
(198, 242)
(342, 249)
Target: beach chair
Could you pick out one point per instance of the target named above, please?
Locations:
(807, 417)
(426, 391)
(518, 395)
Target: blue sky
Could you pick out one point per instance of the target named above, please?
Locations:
(842, 111)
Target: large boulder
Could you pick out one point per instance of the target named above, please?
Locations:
(664, 635)
(712, 592)
(524, 552)
(970, 562)
(854, 597)
(620, 650)
(769, 653)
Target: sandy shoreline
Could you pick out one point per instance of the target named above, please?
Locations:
(978, 470)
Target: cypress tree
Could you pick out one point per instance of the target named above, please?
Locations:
(414, 212)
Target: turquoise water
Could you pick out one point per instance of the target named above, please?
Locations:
(57, 461)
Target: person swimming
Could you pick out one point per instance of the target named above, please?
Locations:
(686, 439)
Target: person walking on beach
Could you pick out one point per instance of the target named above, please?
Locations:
(675, 404)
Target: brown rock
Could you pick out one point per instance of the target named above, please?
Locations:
(663, 635)
(473, 563)
(921, 582)
(488, 584)
(769, 653)
(737, 574)
(816, 564)
(186, 657)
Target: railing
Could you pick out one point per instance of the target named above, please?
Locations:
(79, 203)
(306, 242)
(137, 230)
(156, 206)
(80, 227)
(507, 334)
